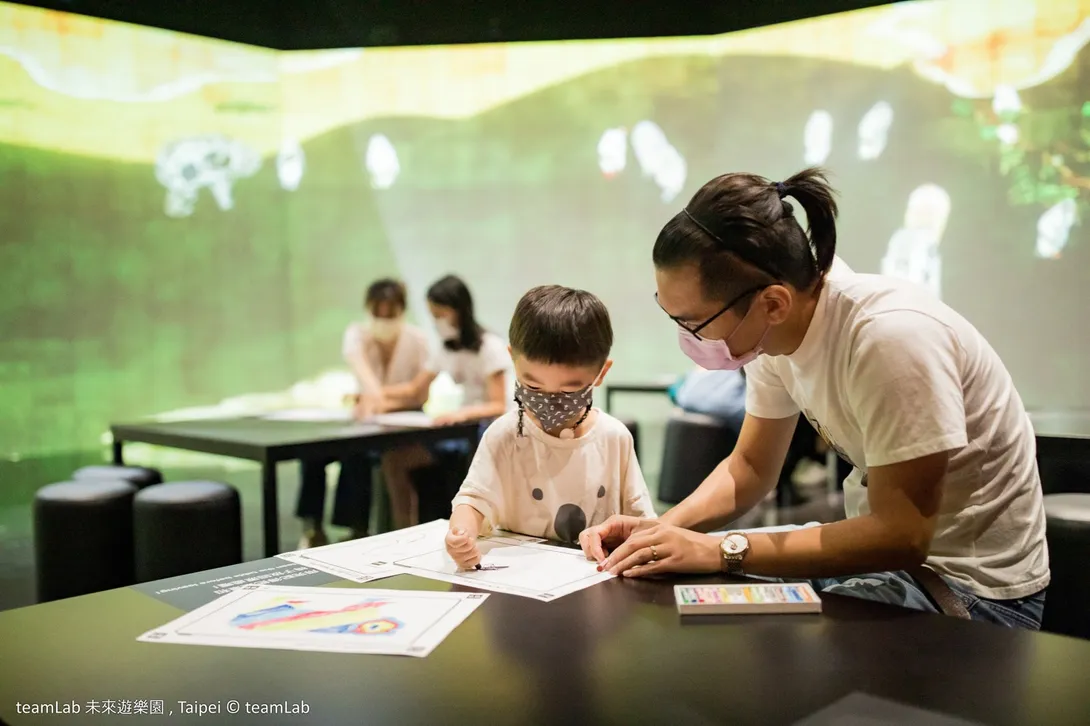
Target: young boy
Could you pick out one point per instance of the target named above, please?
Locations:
(556, 465)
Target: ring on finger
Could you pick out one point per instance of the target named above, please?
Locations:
(654, 553)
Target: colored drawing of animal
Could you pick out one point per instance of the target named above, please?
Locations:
(297, 615)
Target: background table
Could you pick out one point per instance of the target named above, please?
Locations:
(616, 653)
(659, 385)
(1063, 450)
(269, 442)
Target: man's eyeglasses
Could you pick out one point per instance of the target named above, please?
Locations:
(695, 330)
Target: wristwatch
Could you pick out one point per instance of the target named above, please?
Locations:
(732, 550)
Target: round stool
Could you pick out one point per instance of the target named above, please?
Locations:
(1067, 603)
(186, 527)
(138, 476)
(83, 537)
(694, 446)
(634, 428)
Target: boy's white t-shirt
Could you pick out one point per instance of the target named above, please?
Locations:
(472, 369)
(887, 373)
(544, 486)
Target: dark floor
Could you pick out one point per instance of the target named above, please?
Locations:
(20, 480)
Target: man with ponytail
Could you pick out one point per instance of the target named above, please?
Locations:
(944, 505)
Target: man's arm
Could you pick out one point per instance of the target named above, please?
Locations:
(742, 480)
(904, 501)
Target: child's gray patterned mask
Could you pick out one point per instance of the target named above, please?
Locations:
(554, 410)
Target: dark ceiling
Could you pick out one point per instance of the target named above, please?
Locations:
(353, 23)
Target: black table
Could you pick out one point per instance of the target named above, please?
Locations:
(616, 653)
(658, 386)
(270, 441)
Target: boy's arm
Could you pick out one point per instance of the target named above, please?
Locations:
(482, 491)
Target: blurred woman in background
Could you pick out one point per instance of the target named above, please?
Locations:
(383, 352)
(474, 358)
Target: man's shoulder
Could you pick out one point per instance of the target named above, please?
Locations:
(876, 307)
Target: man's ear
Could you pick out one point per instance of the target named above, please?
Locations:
(777, 301)
(605, 369)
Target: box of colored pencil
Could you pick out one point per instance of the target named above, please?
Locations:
(754, 598)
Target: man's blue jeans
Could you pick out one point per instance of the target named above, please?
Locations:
(900, 588)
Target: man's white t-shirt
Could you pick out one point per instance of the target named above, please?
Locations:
(472, 369)
(887, 373)
(544, 486)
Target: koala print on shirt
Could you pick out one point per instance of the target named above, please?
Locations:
(570, 519)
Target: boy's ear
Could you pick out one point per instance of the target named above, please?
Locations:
(605, 369)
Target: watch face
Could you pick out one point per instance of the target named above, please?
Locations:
(735, 543)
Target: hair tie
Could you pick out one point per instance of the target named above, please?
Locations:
(781, 189)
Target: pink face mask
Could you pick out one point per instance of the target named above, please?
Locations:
(715, 355)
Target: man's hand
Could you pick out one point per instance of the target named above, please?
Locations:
(664, 548)
(596, 541)
(462, 549)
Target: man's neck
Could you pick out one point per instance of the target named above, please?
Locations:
(798, 323)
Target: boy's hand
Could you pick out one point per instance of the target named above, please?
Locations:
(463, 549)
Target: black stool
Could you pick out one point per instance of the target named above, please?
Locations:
(634, 428)
(138, 476)
(83, 539)
(186, 527)
(1067, 603)
(695, 444)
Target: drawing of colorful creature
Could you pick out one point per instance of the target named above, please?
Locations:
(913, 252)
(874, 131)
(613, 151)
(817, 137)
(1054, 228)
(659, 159)
(296, 615)
(214, 162)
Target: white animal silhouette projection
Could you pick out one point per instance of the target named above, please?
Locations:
(381, 162)
(817, 137)
(913, 252)
(1006, 101)
(874, 131)
(613, 151)
(290, 164)
(214, 162)
(1054, 228)
(659, 159)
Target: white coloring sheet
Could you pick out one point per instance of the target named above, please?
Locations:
(335, 620)
(511, 564)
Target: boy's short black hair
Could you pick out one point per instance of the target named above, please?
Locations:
(556, 324)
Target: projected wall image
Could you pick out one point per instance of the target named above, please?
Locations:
(191, 223)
